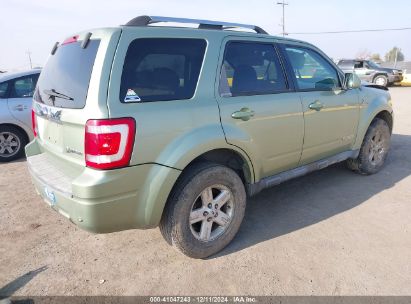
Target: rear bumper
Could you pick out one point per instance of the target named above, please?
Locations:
(104, 201)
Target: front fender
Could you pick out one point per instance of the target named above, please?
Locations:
(373, 102)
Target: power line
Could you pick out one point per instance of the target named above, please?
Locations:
(352, 31)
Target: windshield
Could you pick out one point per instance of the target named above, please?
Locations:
(65, 79)
(373, 65)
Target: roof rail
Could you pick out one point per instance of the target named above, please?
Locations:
(203, 24)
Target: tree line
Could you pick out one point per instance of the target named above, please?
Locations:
(388, 57)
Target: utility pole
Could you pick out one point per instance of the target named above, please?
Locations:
(29, 54)
(396, 57)
(283, 23)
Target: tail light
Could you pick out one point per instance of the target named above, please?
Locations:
(109, 142)
(33, 122)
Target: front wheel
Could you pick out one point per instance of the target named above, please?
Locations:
(374, 149)
(381, 80)
(205, 210)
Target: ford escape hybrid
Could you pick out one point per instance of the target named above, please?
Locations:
(140, 126)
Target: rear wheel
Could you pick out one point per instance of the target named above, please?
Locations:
(374, 149)
(12, 143)
(381, 80)
(205, 210)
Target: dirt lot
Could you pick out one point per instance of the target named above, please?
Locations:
(329, 233)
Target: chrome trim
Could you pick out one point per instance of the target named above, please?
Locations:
(47, 112)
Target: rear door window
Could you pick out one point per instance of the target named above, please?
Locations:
(3, 89)
(64, 80)
(159, 69)
(23, 87)
(251, 68)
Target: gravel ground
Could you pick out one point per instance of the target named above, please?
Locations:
(329, 233)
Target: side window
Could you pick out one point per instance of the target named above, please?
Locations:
(159, 69)
(251, 68)
(3, 89)
(23, 87)
(311, 70)
(358, 65)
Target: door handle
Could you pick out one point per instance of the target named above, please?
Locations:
(316, 105)
(244, 114)
(20, 108)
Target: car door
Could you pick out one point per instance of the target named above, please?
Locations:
(331, 113)
(4, 110)
(360, 70)
(20, 97)
(260, 112)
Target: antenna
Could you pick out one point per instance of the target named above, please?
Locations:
(283, 23)
(29, 54)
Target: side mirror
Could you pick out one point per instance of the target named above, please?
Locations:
(352, 81)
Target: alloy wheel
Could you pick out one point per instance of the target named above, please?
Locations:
(378, 148)
(9, 144)
(211, 213)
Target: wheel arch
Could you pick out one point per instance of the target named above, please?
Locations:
(230, 158)
(382, 113)
(27, 137)
(387, 117)
(379, 74)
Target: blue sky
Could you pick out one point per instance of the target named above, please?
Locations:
(36, 25)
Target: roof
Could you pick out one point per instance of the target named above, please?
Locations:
(12, 75)
(225, 28)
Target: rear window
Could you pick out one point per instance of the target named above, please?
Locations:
(346, 63)
(160, 69)
(65, 79)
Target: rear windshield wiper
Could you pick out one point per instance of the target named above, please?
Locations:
(53, 94)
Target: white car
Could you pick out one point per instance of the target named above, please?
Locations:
(16, 92)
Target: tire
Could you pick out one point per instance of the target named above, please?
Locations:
(12, 143)
(210, 229)
(381, 80)
(374, 149)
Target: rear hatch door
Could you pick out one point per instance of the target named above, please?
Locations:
(72, 89)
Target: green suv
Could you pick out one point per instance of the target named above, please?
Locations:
(140, 126)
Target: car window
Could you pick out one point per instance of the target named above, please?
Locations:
(24, 87)
(346, 63)
(359, 65)
(373, 65)
(159, 69)
(311, 70)
(251, 68)
(3, 89)
(68, 72)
